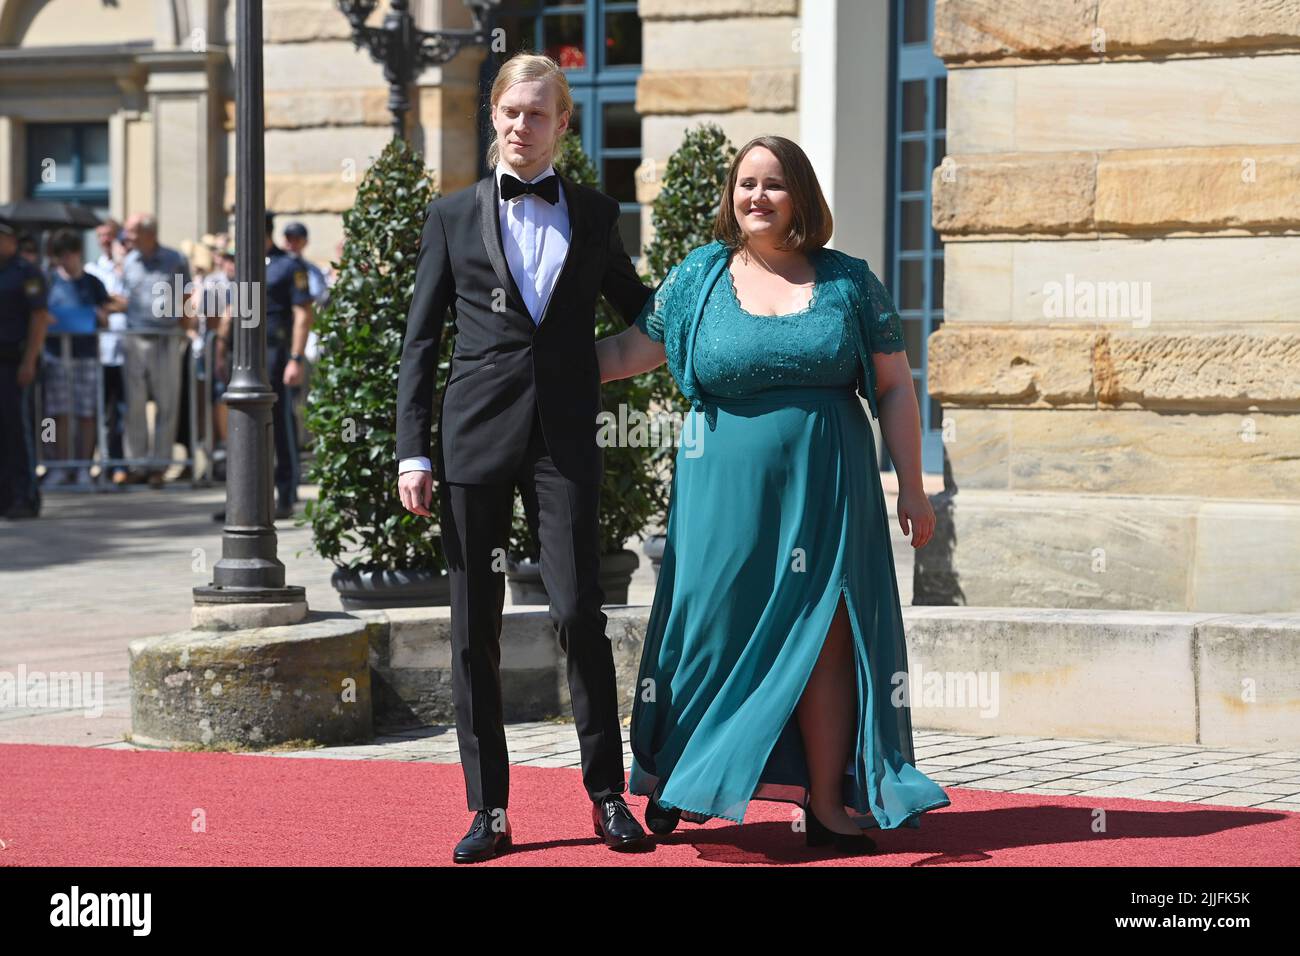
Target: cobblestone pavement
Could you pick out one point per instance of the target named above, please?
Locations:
(1147, 771)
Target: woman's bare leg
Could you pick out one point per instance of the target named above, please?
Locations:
(827, 715)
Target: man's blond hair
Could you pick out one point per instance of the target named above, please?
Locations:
(521, 68)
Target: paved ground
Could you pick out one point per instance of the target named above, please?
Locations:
(98, 570)
(1150, 771)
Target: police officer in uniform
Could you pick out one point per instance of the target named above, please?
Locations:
(288, 321)
(23, 322)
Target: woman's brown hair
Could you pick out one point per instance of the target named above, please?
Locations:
(812, 223)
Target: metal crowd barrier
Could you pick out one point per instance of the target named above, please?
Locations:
(200, 458)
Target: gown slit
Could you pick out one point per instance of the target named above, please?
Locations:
(790, 727)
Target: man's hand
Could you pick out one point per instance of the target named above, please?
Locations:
(415, 488)
(293, 372)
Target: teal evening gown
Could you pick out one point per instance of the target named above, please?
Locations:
(779, 513)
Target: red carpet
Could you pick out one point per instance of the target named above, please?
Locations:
(74, 806)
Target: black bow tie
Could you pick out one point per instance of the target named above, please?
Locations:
(548, 188)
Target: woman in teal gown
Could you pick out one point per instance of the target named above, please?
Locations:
(776, 522)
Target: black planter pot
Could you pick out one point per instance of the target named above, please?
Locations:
(526, 586)
(365, 590)
(654, 549)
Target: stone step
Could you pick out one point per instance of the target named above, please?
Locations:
(1186, 678)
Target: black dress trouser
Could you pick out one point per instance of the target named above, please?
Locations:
(284, 426)
(476, 523)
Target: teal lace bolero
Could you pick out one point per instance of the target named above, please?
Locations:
(844, 283)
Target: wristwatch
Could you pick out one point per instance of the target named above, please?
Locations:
(297, 357)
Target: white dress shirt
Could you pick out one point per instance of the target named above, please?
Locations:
(535, 239)
(110, 343)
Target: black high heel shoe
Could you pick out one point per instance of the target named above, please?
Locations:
(660, 819)
(818, 834)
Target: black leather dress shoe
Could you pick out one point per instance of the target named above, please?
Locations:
(615, 824)
(483, 842)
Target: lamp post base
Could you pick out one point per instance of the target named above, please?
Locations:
(218, 608)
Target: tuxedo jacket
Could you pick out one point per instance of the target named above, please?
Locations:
(504, 368)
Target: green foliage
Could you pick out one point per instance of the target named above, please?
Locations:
(351, 408)
(687, 206)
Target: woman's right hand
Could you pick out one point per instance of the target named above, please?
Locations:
(415, 488)
(916, 515)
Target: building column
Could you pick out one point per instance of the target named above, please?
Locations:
(1120, 361)
(179, 90)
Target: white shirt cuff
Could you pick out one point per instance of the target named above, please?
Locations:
(419, 463)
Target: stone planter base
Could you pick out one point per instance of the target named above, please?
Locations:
(654, 549)
(526, 586)
(367, 590)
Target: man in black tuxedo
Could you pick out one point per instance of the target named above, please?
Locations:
(520, 258)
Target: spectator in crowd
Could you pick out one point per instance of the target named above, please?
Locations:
(80, 304)
(211, 288)
(154, 277)
(201, 263)
(289, 318)
(331, 270)
(108, 270)
(23, 322)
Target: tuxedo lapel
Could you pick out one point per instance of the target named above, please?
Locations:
(490, 226)
(489, 219)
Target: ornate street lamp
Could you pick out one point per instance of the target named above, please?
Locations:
(405, 51)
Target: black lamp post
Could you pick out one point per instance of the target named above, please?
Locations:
(405, 51)
(249, 572)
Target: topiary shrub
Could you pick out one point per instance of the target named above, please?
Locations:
(687, 205)
(351, 409)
